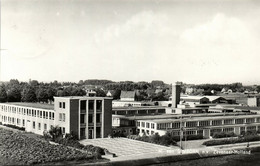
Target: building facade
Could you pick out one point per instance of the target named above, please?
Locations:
(205, 126)
(87, 117)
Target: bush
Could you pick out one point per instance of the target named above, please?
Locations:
(223, 135)
(247, 138)
(14, 127)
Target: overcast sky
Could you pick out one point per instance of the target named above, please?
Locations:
(139, 40)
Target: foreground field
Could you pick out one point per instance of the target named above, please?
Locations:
(18, 148)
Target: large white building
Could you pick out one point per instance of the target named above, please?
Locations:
(87, 117)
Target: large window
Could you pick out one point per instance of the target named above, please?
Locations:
(216, 122)
(90, 118)
(98, 118)
(82, 118)
(228, 121)
(91, 105)
(33, 124)
(99, 105)
(191, 124)
(83, 105)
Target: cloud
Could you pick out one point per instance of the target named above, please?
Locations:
(144, 23)
(220, 30)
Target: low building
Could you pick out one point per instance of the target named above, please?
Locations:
(122, 125)
(142, 110)
(204, 125)
(87, 117)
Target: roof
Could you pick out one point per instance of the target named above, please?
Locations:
(177, 116)
(137, 108)
(32, 105)
(83, 97)
(127, 94)
(202, 118)
(192, 97)
(212, 98)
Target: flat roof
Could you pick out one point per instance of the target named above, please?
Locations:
(202, 118)
(32, 105)
(82, 97)
(137, 108)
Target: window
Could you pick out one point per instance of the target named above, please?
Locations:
(60, 116)
(176, 125)
(60, 104)
(143, 124)
(91, 105)
(45, 126)
(23, 122)
(90, 118)
(228, 121)
(43, 114)
(33, 124)
(39, 126)
(63, 130)
(239, 121)
(216, 122)
(49, 115)
(82, 118)
(152, 125)
(63, 118)
(40, 114)
(98, 118)
(83, 105)
(53, 116)
(32, 112)
(147, 125)
(64, 105)
(46, 115)
(138, 124)
(191, 124)
(99, 105)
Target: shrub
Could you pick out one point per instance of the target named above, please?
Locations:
(248, 138)
(14, 127)
(223, 135)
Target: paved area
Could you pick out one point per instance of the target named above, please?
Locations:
(128, 148)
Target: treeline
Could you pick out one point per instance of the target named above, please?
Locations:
(34, 91)
(15, 91)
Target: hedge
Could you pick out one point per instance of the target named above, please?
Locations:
(248, 138)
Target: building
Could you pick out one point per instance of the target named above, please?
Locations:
(87, 117)
(142, 110)
(128, 96)
(176, 92)
(122, 125)
(253, 101)
(200, 125)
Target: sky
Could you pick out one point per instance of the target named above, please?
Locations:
(193, 41)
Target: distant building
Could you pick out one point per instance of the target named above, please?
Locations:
(123, 125)
(128, 96)
(142, 110)
(253, 101)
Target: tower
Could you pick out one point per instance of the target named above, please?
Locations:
(176, 94)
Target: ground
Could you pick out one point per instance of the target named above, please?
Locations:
(130, 149)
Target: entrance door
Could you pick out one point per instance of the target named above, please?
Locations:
(90, 134)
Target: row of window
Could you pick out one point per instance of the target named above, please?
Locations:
(90, 118)
(32, 112)
(204, 123)
(146, 124)
(91, 105)
(12, 120)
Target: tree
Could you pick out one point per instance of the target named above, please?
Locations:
(42, 95)
(55, 132)
(100, 92)
(14, 94)
(51, 92)
(3, 94)
(28, 94)
(117, 94)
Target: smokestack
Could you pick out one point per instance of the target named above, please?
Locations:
(176, 94)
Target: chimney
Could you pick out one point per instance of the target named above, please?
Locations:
(176, 94)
